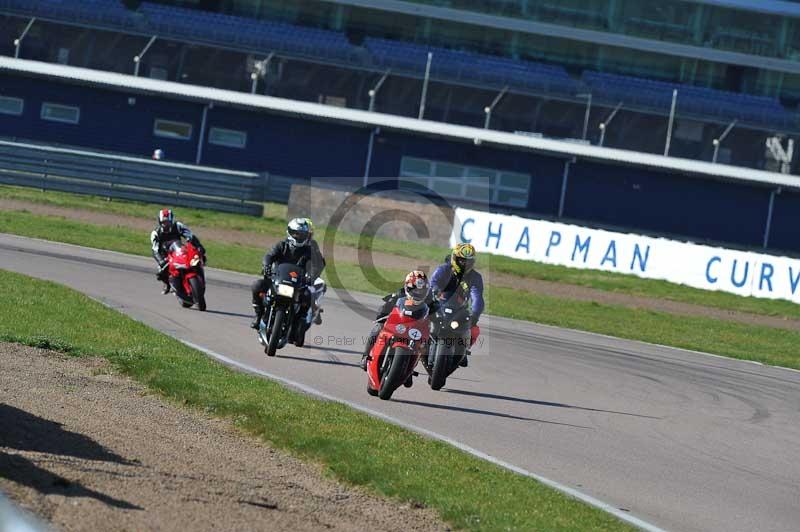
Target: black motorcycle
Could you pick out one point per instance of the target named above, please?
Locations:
(450, 337)
(287, 314)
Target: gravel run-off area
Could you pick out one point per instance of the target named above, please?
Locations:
(85, 448)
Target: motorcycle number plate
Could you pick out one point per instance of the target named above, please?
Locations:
(285, 290)
(414, 334)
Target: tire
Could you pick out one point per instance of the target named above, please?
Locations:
(275, 332)
(300, 334)
(177, 289)
(392, 379)
(441, 365)
(198, 292)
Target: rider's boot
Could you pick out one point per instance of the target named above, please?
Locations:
(409, 381)
(256, 323)
(318, 316)
(163, 276)
(373, 335)
(465, 359)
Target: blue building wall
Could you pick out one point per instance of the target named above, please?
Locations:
(288, 146)
(546, 172)
(598, 194)
(660, 202)
(785, 229)
(108, 120)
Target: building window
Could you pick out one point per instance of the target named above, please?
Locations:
(61, 113)
(172, 130)
(227, 137)
(11, 106)
(473, 183)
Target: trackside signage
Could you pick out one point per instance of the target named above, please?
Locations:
(705, 267)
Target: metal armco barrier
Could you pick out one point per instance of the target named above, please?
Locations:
(128, 178)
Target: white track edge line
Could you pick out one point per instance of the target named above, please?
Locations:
(588, 499)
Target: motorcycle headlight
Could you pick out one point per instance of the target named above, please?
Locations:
(195, 261)
(285, 290)
(454, 325)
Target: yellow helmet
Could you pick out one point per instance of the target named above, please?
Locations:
(462, 258)
(310, 228)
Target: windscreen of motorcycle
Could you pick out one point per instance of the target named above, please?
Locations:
(289, 273)
(175, 247)
(411, 310)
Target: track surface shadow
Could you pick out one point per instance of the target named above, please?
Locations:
(329, 361)
(485, 413)
(544, 403)
(233, 314)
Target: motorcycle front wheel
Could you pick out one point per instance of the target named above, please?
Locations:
(275, 332)
(198, 292)
(395, 376)
(440, 366)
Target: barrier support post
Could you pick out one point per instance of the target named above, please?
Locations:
(671, 121)
(769, 216)
(564, 180)
(425, 86)
(137, 59)
(373, 92)
(18, 40)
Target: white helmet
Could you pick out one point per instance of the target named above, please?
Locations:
(298, 232)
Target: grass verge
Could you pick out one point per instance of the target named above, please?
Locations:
(273, 224)
(467, 492)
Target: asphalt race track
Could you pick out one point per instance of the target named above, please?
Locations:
(681, 440)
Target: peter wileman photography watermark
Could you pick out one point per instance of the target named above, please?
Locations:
(360, 213)
(382, 231)
(331, 340)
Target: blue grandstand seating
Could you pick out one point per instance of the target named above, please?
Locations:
(471, 67)
(405, 58)
(233, 30)
(105, 12)
(701, 101)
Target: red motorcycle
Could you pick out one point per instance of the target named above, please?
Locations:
(398, 348)
(186, 275)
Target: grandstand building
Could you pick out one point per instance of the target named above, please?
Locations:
(559, 67)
